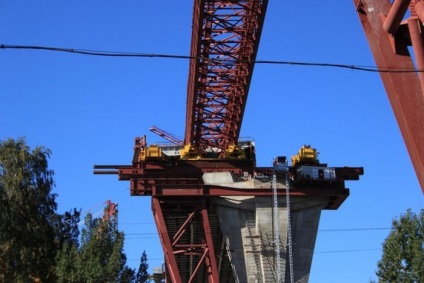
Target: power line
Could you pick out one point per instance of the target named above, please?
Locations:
(320, 230)
(352, 229)
(141, 234)
(374, 69)
(346, 251)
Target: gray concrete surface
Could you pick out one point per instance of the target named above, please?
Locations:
(247, 225)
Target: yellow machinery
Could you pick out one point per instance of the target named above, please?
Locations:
(306, 155)
(234, 152)
(190, 152)
(151, 152)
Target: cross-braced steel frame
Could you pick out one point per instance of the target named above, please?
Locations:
(225, 40)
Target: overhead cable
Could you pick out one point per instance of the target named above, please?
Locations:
(222, 60)
(346, 251)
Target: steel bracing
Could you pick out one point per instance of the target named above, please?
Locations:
(225, 40)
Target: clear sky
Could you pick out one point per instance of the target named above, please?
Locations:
(88, 110)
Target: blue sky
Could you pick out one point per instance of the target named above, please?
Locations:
(88, 110)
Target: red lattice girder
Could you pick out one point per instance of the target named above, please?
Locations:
(224, 44)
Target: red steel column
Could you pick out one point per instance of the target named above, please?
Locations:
(403, 88)
(170, 261)
(418, 45)
(210, 259)
(418, 6)
(395, 15)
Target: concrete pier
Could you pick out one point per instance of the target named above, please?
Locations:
(247, 226)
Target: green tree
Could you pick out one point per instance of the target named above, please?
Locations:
(67, 260)
(39, 245)
(142, 273)
(403, 250)
(68, 228)
(100, 256)
(27, 213)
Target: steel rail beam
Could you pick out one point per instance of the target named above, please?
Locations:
(225, 40)
(404, 89)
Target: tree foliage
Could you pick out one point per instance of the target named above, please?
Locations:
(101, 252)
(67, 261)
(143, 273)
(98, 257)
(27, 213)
(39, 245)
(403, 250)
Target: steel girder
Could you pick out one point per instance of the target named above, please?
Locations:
(225, 40)
(389, 36)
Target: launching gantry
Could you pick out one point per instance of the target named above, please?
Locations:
(213, 207)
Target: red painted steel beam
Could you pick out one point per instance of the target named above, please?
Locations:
(418, 7)
(225, 40)
(199, 264)
(415, 26)
(170, 260)
(337, 195)
(404, 89)
(210, 260)
(395, 15)
(184, 179)
(182, 229)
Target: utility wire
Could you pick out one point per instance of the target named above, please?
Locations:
(346, 251)
(320, 230)
(352, 229)
(154, 235)
(374, 69)
(321, 252)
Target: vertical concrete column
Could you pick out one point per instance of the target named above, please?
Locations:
(264, 222)
(305, 214)
(235, 213)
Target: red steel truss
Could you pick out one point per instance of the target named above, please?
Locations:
(199, 249)
(389, 37)
(225, 40)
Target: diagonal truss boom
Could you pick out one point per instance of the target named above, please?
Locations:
(224, 45)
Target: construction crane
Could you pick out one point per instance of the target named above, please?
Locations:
(211, 204)
(169, 137)
(108, 213)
